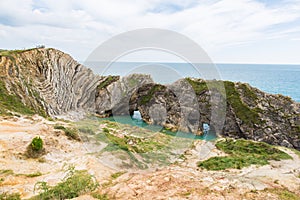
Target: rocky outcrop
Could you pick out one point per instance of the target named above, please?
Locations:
(248, 112)
(114, 93)
(50, 80)
(162, 110)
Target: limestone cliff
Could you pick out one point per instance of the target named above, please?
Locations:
(249, 112)
(50, 82)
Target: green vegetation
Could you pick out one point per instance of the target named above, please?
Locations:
(247, 115)
(242, 153)
(71, 133)
(36, 144)
(100, 196)
(132, 82)
(11, 54)
(36, 174)
(109, 80)
(134, 146)
(146, 99)
(35, 148)
(59, 127)
(87, 131)
(198, 87)
(10, 102)
(75, 183)
(117, 175)
(247, 92)
(16, 51)
(6, 172)
(296, 152)
(8, 196)
(283, 193)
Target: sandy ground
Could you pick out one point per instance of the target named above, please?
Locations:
(17, 133)
(180, 181)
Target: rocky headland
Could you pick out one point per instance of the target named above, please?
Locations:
(86, 157)
(50, 83)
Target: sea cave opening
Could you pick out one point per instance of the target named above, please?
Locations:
(205, 128)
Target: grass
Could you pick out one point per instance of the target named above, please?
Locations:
(134, 146)
(6, 172)
(74, 184)
(9, 102)
(10, 196)
(296, 152)
(100, 196)
(59, 127)
(199, 87)
(146, 99)
(247, 115)
(248, 92)
(71, 133)
(12, 53)
(283, 193)
(117, 175)
(242, 153)
(32, 175)
(87, 131)
(109, 80)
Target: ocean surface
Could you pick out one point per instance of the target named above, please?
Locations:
(208, 135)
(274, 79)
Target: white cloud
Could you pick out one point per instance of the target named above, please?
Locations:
(79, 26)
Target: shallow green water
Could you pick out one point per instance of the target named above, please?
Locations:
(139, 123)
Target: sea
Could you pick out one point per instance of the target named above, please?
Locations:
(274, 79)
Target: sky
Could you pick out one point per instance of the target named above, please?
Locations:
(239, 31)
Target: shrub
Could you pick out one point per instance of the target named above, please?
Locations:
(35, 149)
(117, 175)
(37, 144)
(242, 153)
(7, 196)
(72, 133)
(74, 184)
(60, 127)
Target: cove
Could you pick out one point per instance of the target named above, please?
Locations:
(137, 121)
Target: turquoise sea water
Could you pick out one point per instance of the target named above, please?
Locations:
(134, 122)
(274, 79)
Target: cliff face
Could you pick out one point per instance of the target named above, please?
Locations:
(249, 112)
(50, 82)
(114, 93)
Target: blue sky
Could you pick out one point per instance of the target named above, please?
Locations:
(243, 31)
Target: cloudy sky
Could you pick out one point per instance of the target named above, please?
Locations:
(241, 31)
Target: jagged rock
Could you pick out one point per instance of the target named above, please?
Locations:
(114, 98)
(50, 81)
(250, 113)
